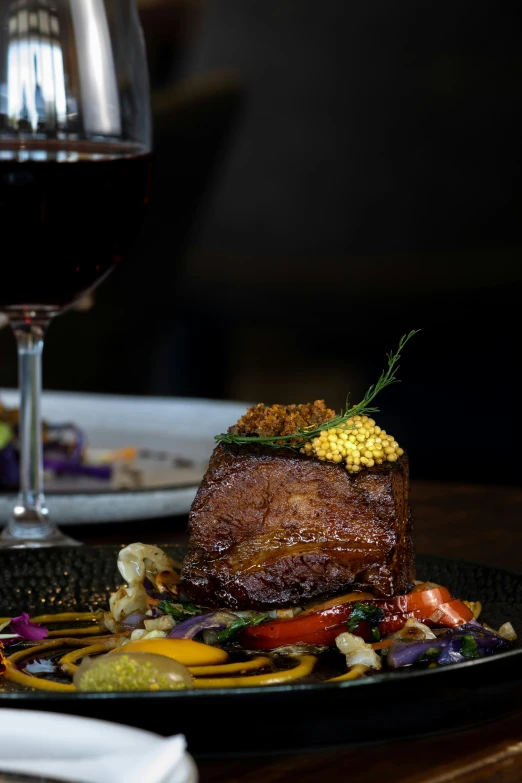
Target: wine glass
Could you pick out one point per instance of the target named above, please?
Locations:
(75, 170)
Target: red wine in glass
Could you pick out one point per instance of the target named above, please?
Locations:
(71, 213)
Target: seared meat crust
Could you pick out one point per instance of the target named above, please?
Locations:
(272, 527)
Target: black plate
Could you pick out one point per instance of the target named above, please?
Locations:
(303, 716)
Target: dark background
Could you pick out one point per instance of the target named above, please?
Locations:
(329, 175)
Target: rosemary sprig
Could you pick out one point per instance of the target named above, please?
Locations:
(363, 408)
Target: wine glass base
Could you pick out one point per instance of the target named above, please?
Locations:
(54, 538)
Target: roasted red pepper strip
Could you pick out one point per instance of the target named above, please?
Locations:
(322, 628)
(394, 622)
(451, 614)
(317, 628)
(423, 603)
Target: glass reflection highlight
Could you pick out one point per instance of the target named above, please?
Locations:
(36, 96)
(96, 68)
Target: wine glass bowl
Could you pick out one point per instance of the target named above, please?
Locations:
(75, 172)
(69, 222)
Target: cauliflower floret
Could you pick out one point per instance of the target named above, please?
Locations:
(135, 562)
(507, 632)
(110, 623)
(128, 600)
(357, 651)
(141, 634)
(165, 623)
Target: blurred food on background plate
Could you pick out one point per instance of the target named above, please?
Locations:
(71, 464)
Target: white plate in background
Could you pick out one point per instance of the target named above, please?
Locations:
(175, 437)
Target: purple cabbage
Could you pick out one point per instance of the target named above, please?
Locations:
(406, 653)
(27, 630)
(487, 641)
(71, 467)
(451, 653)
(134, 620)
(189, 628)
(479, 631)
(452, 646)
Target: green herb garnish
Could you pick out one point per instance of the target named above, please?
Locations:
(361, 611)
(227, 634)
(180, 610)
(431, 654)
(362, 408)
(469, 647)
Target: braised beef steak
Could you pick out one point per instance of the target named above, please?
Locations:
(272, 527)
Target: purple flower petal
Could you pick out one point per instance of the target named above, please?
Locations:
(27, 630)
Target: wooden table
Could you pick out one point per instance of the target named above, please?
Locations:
(473, 522)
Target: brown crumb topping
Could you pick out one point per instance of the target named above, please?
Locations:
(269, 421)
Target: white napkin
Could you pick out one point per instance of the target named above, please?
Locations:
(82, 750)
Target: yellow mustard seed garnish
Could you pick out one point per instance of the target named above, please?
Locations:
(358, 442)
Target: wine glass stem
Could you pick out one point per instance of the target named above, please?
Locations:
(30, 515)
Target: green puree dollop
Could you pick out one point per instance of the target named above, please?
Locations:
(125, 674)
